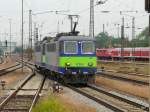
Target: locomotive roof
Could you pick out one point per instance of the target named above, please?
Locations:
(86, 38)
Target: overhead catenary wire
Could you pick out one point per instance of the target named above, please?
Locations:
(81, 12)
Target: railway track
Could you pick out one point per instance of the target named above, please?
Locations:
(135, 74)
(109, 100)
(21, 103)
(122, 78)
(9, 69)
(129, 73)
(25, 62)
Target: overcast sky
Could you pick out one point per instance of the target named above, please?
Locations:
(49, 22)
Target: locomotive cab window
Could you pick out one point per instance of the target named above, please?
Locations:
(70, 47)
(88, 47)
(61, 46)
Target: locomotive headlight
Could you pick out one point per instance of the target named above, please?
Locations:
(90, 64)
(67, 64)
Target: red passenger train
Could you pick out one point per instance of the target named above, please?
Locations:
(139, 54)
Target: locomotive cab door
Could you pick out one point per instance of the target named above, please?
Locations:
(43, 56)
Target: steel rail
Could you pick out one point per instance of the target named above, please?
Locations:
(118, 97)
(106, 104)
(9, 67)
(37, 94)
(16, 91)
(124, 73)
(141, 82)
(27, 64)
(109, 104)
(6, 72)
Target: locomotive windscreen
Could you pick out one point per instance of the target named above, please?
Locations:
(70, 47)
(88, 47)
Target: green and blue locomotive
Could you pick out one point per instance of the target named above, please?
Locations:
(70, 58)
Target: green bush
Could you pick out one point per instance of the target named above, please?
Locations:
(51, 104)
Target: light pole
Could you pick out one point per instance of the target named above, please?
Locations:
(10, 36)
(41, 30)
(91, 30)
(22, 34)
(133, 36)
(122, 40)
(30, 34)
(91, 26)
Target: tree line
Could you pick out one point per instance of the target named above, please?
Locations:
(104, 40)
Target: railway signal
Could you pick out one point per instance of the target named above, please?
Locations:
(147, 5)
(6, 43)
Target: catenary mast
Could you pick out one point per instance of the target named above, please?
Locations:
(91, 27)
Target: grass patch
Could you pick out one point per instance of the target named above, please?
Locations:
(50, 104)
